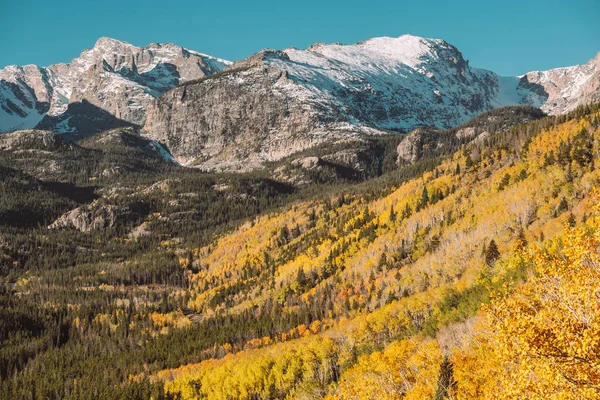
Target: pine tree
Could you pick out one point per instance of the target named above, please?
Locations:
(521, 241)
(491, 253)
(424, 198)
(504, 182)
(382, 262)
(562, 206)
(469, 163)
(296, 231)
(301, 277)
(406, 212)
(549, 159)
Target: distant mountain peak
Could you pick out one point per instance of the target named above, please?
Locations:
(387, 51)
(108, 41)
(116, 77)
(374, 86)
(567, 87)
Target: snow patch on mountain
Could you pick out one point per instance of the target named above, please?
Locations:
(385, 83)
(277, 103)
(164, 153)
(17, 107)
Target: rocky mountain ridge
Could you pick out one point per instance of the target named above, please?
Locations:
(276, 103)
(567, 87)
(113, 79)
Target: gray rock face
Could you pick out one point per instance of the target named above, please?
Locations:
(416, 143)
(96, 216)
(34, 140)
(127, 140)
(115, 77)
(275, 103)
(235, 120)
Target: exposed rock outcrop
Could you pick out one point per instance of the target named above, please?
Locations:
(35, 140)
(97, 216)
(233, 121)
(432, 142)
(416, 143)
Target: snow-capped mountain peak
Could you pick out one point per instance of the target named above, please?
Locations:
(408, 50)
(327, 90)
(108, 42)
(392, 70)
(115, 77)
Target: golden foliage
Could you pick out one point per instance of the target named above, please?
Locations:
(406, 369)
(395, 280)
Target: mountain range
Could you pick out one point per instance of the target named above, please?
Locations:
(217, 115)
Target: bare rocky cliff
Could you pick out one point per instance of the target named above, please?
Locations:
(97, 216)
(235, 120)
(217, 116)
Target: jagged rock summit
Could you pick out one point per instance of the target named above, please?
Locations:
(113, 80)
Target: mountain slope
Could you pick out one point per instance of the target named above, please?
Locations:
(116, 77)
(50, 156)
(376, 297)
(429, 142)
(29, 202)
(276, 103)
(360, 291)
(392, 83)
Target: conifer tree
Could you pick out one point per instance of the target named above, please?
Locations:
(492, 253)
(424, 197)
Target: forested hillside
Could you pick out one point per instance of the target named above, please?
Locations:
(398, 284)
(382, 294)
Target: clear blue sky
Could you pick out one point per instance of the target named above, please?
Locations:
(508, 36)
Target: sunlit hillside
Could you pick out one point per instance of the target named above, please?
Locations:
(382, 293)
(464, 274)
